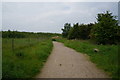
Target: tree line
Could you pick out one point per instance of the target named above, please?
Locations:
(17, 34)
(104, 31)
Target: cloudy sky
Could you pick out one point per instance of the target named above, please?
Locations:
(51, 16)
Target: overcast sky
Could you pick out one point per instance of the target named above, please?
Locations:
(51, 16)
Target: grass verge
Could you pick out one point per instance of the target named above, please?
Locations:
(106, 58)
(24, 62)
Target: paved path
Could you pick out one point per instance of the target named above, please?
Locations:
(67, 63)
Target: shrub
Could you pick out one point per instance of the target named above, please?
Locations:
(106, 30)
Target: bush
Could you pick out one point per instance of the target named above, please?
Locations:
(53, 39)
(106, 30)
(66, 30)
(81, 31)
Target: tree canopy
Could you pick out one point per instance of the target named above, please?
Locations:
(104, 31)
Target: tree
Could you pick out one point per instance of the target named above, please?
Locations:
(80, 31)
(106, 29)
(71, 32)
(66, 29)
(85, 31)
(74, 32)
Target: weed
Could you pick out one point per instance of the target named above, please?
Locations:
(26, 61)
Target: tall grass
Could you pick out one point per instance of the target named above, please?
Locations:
(106, 58)
(27, 60)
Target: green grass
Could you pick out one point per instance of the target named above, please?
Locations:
(27, 58)
(106, 58)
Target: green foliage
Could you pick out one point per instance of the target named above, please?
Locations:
(17, 34)
(19, 54)
(80, 31)
(53, 39)
(74, 33)
(26, 61)
(12, 34)
(71, 33)
(106, 30)
(24, 53)
(85, 31)
(106, 58)
(66, 29)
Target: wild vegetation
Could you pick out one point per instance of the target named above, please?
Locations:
(103, 35)
(24, 53)
(106, 58)
(104, 31)
(17, 34)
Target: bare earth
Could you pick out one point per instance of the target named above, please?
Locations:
(67, 63)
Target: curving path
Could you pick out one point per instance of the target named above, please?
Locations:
(65, 62)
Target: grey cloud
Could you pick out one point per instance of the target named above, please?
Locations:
(51, 16)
